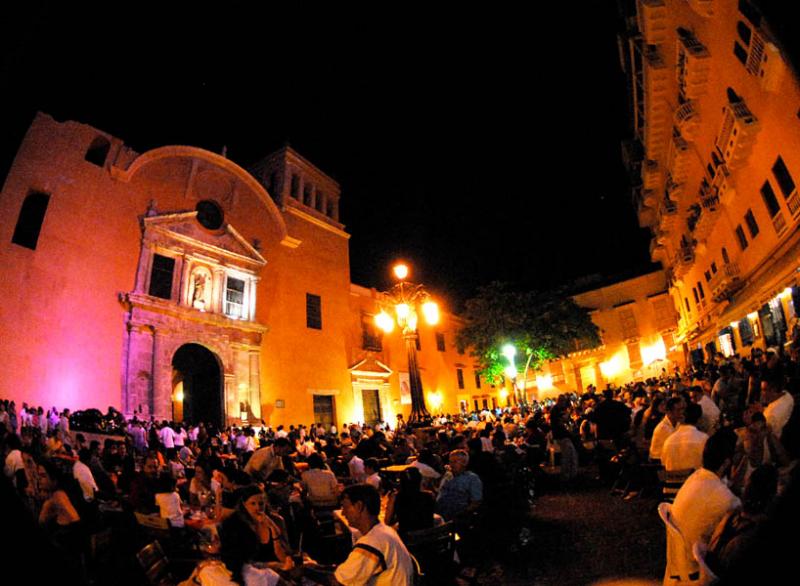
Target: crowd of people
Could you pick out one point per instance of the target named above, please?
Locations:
(725, 432)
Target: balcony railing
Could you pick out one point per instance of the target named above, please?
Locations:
(724, 281)
(708, 217)
(693, 66)
(678, 158)
(653, 21)
(687, 120)
(737, 134)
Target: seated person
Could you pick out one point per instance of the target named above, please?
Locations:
(379, 556)
(461, 491)
(250, 537)
(200, 493)
(59, 514)
(409, 506)
(736, 532)
(144, 487)
(229, 481)
(319, 483)
(169, 501)
(371, 468)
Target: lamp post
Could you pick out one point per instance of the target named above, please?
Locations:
(406, 300)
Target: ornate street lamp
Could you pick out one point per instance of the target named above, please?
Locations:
(402, 304)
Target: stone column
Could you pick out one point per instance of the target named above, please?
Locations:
(218, 291)
(255, 383)
(186, 269)
(177, 280)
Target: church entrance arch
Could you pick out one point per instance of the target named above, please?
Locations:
(197, 385)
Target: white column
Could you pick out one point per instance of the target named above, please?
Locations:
(218, 290)
(251, 310)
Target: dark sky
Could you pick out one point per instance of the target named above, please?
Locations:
(479, 143)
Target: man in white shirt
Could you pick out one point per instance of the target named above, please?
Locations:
(355, 465)
(379, 557)
(667, 426)
(167, 436)
(371, 468)
(84, 476)
(710, 419)
(683, 450)
(704, 498)
(779, 405)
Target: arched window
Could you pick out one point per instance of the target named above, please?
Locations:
(98, 151)
(31, 217)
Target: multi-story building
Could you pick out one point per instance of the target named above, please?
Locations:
(637, 323)
(714, 158)
(177, 284)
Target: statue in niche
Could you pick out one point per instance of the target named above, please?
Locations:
(199, 296)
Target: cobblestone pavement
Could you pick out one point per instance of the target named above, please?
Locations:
(581, 534)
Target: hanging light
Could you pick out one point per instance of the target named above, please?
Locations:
(384, 321)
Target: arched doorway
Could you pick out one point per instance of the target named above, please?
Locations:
(197, 385)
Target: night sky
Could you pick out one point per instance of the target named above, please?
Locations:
(479, 144)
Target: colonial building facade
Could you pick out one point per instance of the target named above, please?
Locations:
(714, 160)
(175, 283)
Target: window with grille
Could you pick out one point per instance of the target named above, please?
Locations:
(234, 298)
(440, 342)
(627, 321)
(313, 311)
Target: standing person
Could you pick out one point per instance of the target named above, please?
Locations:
(667, 426)
(167, 436)
(779, 404)
(379, 556)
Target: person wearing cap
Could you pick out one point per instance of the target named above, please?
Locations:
(251, 541)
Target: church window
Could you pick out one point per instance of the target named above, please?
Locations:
(234, 298)
(31, 218)
(161, 277)
(313, 311)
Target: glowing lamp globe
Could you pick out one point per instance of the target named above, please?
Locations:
(384, 321)
(400, 271)
(431, 312)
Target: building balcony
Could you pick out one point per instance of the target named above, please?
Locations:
(683, 261)
(722, 185)
(709, 213)
(704, 8)
(651, 175)
(646, 208)
(737, 134)
(687, 120)
(725, 282)
(693, 66)
(658, 252)
(667, 215)
(653, 22)
(678, 159)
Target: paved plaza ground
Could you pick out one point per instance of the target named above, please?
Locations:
(581, 534)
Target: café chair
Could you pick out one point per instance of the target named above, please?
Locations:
(434, 550)
(155, 565)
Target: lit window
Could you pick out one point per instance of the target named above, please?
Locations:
(234, 298)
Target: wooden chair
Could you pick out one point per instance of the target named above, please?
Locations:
(155, 565)
(681, 567)
(434, 550)
(707, 575)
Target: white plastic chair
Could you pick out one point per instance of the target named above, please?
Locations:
(707, 575)
(681, 567)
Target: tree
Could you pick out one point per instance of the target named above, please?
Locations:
(541, 325)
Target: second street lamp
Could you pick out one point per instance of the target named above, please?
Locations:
(406, 301)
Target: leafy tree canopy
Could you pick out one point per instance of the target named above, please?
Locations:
(540, 324)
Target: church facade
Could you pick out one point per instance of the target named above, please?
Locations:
(177, 284)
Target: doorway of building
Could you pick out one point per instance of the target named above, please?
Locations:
(324, 411)
(197, 373)
(372, 406)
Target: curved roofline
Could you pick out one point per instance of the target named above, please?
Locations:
(167, 152)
